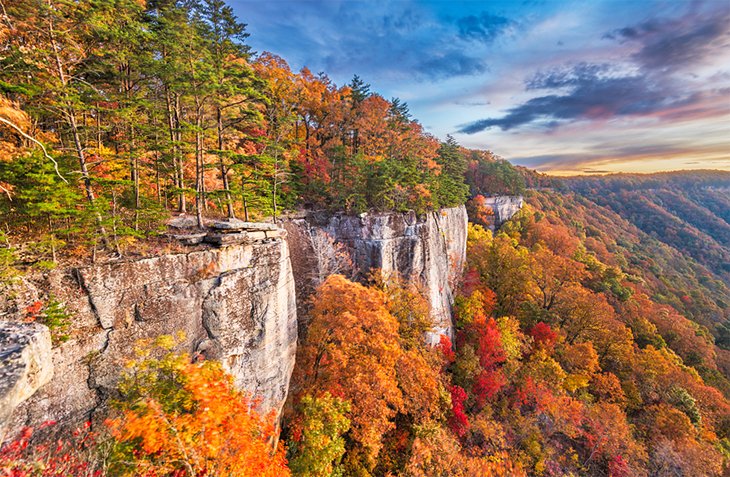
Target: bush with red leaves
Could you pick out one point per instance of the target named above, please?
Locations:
(72, 457)
(458, 422)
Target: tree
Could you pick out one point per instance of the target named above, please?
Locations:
(351, 351)
(237, 91)
(279, 116)
(317, 443)
(182, 418)
(450, 187)
(551, 275)
(45, 63)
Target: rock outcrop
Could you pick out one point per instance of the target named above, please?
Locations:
(26, 364)
(504, 207)
(235, 304)
(429, 250)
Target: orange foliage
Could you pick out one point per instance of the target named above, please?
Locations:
(210, 430)
(351, 351)
(437, 452)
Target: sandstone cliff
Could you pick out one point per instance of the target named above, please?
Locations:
(428, 250)
(235, 304)
(503, 207)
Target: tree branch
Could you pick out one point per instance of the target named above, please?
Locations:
(31, 138)
(6, 17)
(7, 192)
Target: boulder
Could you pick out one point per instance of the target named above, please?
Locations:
(183, 222)
(26, 364)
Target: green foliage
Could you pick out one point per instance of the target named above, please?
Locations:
(491, 175)
(8, 272)
(684, 401)
(451, 190)
(317, 448)
(57, 318)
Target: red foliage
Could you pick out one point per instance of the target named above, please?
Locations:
(618, 467)
(530, 393)
(543, 335)
(487, 385)
(32, 311)
(446, 349)
(55, 458)
(472, 281)
(458, 421)
(489, 343)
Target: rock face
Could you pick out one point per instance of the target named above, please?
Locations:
(235, 304)
(428, 250)
(504, 207)
(26, 364)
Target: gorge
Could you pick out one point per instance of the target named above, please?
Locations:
(236, 304)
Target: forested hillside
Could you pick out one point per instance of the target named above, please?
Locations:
(690, 211)
(564, 362)
(116, 113)
(591, 331)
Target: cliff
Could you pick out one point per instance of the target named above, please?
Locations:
(235, 304)
(428, 250)
(503, 207)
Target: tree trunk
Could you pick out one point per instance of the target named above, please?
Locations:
(276, 177)
(173, 123)
(224, 173)
(70, 114)
(69, 111)
(134, 170)
(243, 197)
(199, 177)
(180, 159)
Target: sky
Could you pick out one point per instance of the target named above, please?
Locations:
(564, 87)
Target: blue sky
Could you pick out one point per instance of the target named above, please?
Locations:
(560, 86)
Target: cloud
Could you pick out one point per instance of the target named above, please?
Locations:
(654, 79)
(595, 91)
(484, 28)
(450, 64)
(678, 42)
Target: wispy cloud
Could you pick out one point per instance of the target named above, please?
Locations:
(485, 27)
(677, 42)
(647, 84)
(387, 41)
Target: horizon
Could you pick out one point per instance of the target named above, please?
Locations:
(565, 88)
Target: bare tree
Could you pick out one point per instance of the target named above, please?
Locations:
(331, 257)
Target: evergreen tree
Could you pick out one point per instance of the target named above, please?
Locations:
(451, 189)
